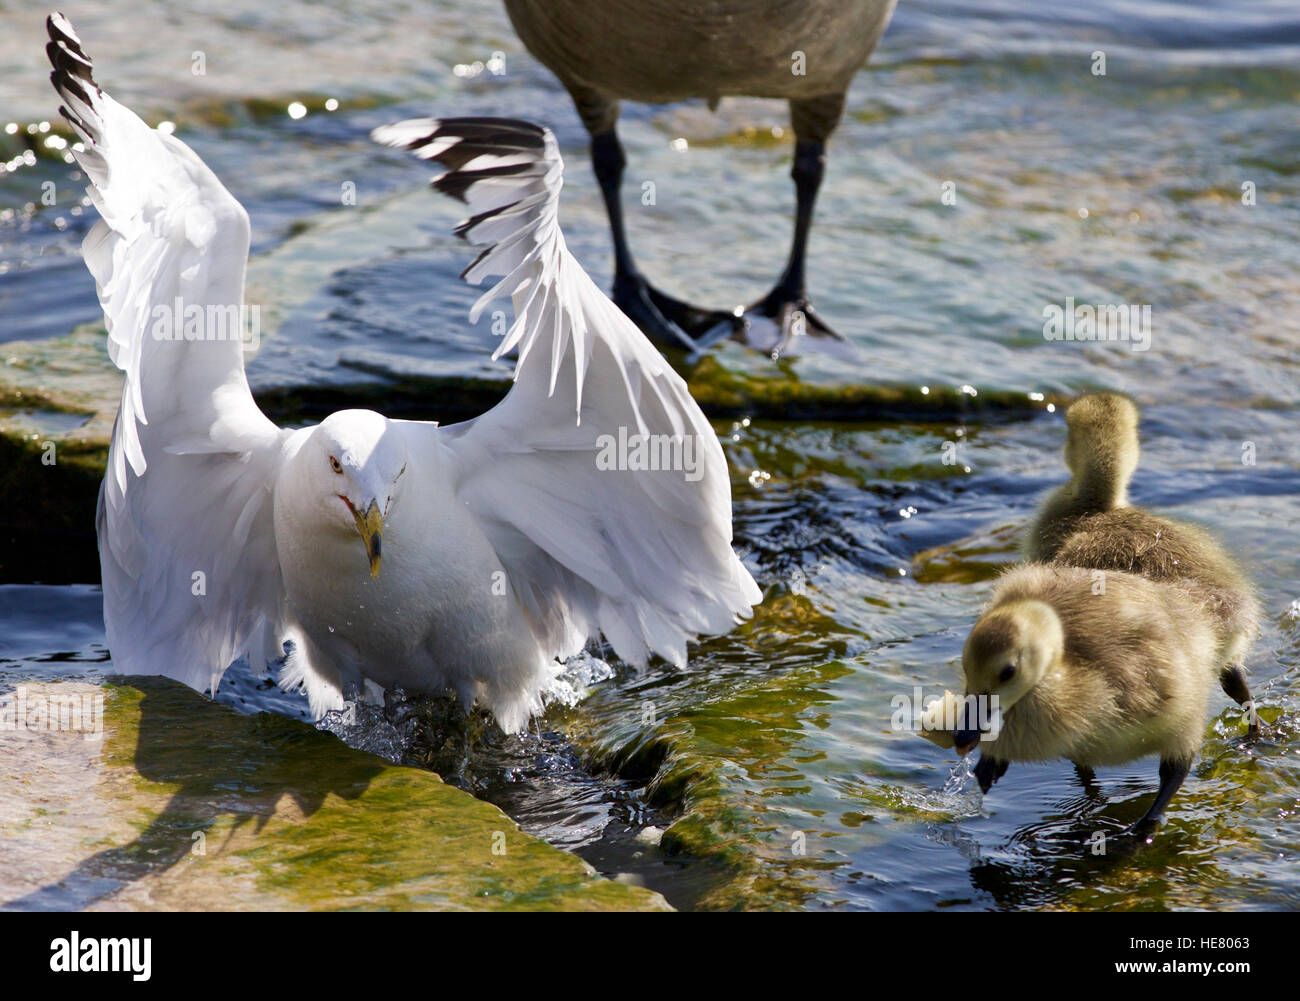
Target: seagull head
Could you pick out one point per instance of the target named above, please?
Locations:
(356, 463)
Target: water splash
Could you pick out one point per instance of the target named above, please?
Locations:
(960, 776)
(574, 682)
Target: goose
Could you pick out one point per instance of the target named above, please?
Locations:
(1055, 670)
(469, 559)
(1089, 522)
(658, 51)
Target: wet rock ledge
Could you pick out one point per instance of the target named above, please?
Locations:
(183, 804)
(58, 398)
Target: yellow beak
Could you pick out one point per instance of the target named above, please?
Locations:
(371, 528)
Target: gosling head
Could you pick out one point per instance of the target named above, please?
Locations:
(1101, 451)
(354, 464)
(1010, 650)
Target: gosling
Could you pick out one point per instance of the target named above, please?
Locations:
(1058, 671)
(1088, 522)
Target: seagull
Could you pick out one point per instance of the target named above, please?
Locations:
(670, 50)
(472, 559)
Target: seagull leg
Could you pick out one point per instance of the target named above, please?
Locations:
(663, 318)
(988, 770)
(1172, 773)
(1233, 680)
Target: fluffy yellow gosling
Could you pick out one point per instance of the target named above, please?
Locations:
(1060, 671)
(1088, 522)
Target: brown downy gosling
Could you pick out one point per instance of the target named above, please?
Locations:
(1088, 522)
(1059, 671)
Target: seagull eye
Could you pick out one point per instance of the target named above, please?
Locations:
(334, 465)
(1007, 673)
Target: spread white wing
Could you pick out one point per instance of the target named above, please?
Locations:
(186, 538)
(593, 542)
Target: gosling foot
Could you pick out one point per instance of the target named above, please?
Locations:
(1172, 773)
(989, 770)
(1233, 680)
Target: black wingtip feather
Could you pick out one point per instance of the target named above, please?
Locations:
(456, 182)
(72, 66)
(494, 135)
(460, 141)
(65, 85)
(72, 119)
(494, 130)
(72, 75)
(472, 264)
(462, 230)
(467, 149)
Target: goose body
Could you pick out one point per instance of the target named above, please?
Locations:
(1092, 678)
(661, 51)
(657, 51)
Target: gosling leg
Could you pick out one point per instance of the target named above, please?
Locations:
(1233, 680)
(1172, 773)
(1086, 775)
(989, 770)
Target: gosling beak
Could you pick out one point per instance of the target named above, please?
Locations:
(969, 724)
(371, 528)
(964, 741)
(966, 736)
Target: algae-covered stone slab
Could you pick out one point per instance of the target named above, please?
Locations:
(721, 755)
(171, 801)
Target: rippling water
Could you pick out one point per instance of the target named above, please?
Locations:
(873, 553)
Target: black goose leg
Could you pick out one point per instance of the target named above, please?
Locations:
(1233, 680)
(989, 770)
(787, 304)
(1172, 773)
(663, 318)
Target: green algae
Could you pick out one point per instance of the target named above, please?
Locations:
(709, 749)
(71, 375)
(982, 557)
(696, 741)
(209, 809)
(47, 503)
(194, 113)
(723, 392)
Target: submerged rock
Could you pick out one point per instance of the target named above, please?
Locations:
(145, 795)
